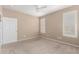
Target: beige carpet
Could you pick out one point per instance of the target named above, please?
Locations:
(38, 46)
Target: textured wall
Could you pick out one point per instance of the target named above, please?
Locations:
(54, 25)
(28, 26)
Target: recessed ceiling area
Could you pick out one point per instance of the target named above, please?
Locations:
(36, 10)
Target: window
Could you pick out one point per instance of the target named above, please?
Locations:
(70, 24)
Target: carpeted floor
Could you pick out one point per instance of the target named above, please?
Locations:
(38, 46)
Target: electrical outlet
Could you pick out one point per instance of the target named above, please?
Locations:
(24, 35)
(59, 37)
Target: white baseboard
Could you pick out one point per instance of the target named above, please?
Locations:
(62, 42)
(27, 39)
(46, 38)
(20, 40)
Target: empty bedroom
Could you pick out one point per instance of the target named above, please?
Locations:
(39, 29)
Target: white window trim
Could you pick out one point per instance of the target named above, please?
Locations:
(76, 18)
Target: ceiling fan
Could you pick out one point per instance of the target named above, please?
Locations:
(40, 7)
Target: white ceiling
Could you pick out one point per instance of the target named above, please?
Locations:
(32, 10)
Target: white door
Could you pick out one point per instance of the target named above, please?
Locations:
(9, 30)
(0, 32)
(42, 25)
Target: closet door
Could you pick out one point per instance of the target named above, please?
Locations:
(9, 30)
